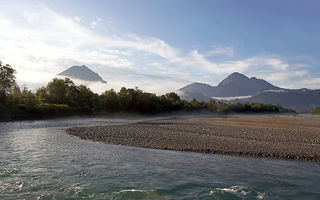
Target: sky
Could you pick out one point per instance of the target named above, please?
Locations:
(161, 46)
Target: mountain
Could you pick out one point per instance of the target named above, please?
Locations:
(197, 89)
(233, 86)
(190, 95)
(239, 88)
(82, 73)
(302, 99)
(240, 85)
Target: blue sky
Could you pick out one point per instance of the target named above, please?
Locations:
(160, 46)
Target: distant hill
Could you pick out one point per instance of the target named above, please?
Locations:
(193, 95)
(234, 85)
(239, 88)
(200, 91)
(82, 73)
(302, 99)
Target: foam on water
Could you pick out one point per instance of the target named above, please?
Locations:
(137, 194)
(133, 190)
(238, 191)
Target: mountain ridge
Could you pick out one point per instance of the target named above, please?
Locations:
(82, 73)
(235, 84)
(239, 88)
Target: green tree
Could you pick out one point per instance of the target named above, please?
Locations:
(7, 79)
(316, 110)
(110, 101)
(7, 85)
(83, 99)
(42, 95)
(61, 91)
(174, 101)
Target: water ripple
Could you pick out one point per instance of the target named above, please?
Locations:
(39, 161)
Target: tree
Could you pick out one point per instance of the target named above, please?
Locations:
(42, 95)
(110, 101)
(7, 79)
(172, 97)
(174, 101)
(83, 99)
(61, 91)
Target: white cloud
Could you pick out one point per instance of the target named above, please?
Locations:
(221, 51)
(301, 73)
(93, 24)
(150, 45)
(55, 42)
(118, 52)
(77, 18)
(32, 17)
(5, 22)
(290, 77)
(275, 63)
(311, 83)
(47, 43)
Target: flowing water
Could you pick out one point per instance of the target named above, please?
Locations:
(39, 161)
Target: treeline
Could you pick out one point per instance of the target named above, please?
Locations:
(316, 111)
(62, 97)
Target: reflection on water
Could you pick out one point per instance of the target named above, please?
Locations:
(39, 161)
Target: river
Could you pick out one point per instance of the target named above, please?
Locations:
(38, 160)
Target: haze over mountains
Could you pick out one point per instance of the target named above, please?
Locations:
(82, 73)
(234, 85)
(235, 88)
(239, 88)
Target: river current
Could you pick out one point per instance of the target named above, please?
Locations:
(38, 160)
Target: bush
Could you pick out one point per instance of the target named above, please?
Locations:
(316, 111)
(46, 109)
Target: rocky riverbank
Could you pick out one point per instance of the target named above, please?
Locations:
(276, 136)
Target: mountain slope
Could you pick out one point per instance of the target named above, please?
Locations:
(201, 88)
(82, 73)
(296, 99)
(240, 85)
(239, 88)
(234, 85)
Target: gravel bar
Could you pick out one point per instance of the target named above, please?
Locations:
(275, 136)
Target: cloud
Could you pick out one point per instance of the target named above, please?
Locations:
(55, 43)
(271, 68)
(279, 72)
(77, 18)
(44, 43)
(32, 17)
(93, 24)
(118, 52)
(220, 51)
(5, 22)
(311, 83)
(275, 63)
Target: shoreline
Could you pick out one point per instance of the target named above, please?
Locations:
(273, 136)
(169, 115)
